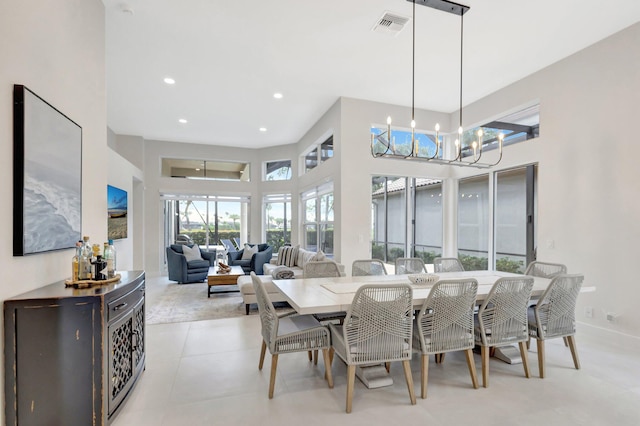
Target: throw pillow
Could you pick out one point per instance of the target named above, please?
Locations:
(287, 256)
(191, 253)
(319, 256)
(249, 251)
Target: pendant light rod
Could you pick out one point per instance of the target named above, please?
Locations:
(444, 5)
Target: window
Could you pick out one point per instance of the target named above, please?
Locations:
(277, 220)
(209, 170)
(318, 219)
(499, 233)
(389, 224)
(277, 170)
(401, 142)
(319, 154)
(427, 219)
(516, 127)
(206, 219)
(391, 237)
(473, 223)
(514, 245)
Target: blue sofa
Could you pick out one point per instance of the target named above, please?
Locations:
(188, 272)
(256, 262)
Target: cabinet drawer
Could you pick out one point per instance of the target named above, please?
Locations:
(124, 304)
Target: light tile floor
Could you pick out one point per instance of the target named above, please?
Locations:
(206, 373)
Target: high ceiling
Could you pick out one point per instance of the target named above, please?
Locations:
(228, 58)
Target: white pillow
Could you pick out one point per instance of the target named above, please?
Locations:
(319, 256)
(191, 253)
(249, 251)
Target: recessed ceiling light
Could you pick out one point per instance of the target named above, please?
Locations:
(182, 121)
(263, 129)
(277, 95)
(169, 80)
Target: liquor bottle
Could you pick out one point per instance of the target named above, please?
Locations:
(113, 258)
(100, 269)
(75, 262)
(84, 262)
(108, 256)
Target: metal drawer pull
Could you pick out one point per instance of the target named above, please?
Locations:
(120, 306)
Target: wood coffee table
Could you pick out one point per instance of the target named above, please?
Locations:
(214, 279)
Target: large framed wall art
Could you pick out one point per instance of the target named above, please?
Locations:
(47, 176)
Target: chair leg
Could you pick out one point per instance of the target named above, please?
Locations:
(272, 380)
(525, 358)
(571, 340)
(472, 368)
(246, 307)
(540, 345)
(327, 367)
(310, 356)
(407, 375)
(528, 343)
(263, 350)
(387, 366)
(484, 354)
(351, 381)
(566, 341)
(424, 376)
(315, 357)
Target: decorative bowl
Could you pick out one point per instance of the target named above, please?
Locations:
(423, 278)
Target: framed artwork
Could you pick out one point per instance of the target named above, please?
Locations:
(47, 176)
(116, 213)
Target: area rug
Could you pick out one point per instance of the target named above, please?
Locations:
(189, 302)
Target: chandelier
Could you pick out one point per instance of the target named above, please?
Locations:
(386, 140)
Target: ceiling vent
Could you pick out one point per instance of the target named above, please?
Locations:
(390, 23)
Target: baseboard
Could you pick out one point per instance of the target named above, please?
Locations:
(609, 337)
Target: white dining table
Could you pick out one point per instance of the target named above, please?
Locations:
(335, 294)
(323, 295)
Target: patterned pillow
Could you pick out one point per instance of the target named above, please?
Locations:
(287, 256)
(248, 252)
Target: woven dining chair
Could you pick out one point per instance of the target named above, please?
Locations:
(410, 265)
(445, 324)
(545, 269)
(321, 269)
(324, 269)
(288, 333)
(555, 316)
(502, 320)
(368, 267)
(447, 264)
(377, 328)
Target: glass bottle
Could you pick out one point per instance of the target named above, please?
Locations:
(84, 262)
(75, 262)
(109, 256)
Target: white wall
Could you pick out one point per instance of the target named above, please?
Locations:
(56, 48)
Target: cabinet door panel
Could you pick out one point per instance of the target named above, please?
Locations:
(54, 349)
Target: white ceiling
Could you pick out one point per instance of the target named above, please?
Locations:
(229, 57)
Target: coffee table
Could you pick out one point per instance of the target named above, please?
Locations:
(215, 279)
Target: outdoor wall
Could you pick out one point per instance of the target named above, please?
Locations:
(57, 50)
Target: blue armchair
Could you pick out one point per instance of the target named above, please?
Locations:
(188, 272)
(256, 262)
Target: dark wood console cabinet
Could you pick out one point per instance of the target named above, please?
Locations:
(72, 356)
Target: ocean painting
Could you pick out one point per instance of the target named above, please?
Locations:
(48, 179)
(116, 213)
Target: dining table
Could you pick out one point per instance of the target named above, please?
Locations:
(335, 294)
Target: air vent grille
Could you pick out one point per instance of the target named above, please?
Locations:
(390, 23)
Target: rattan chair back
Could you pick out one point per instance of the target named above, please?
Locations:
(368, 267)
(447, 264)
(410, 265)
